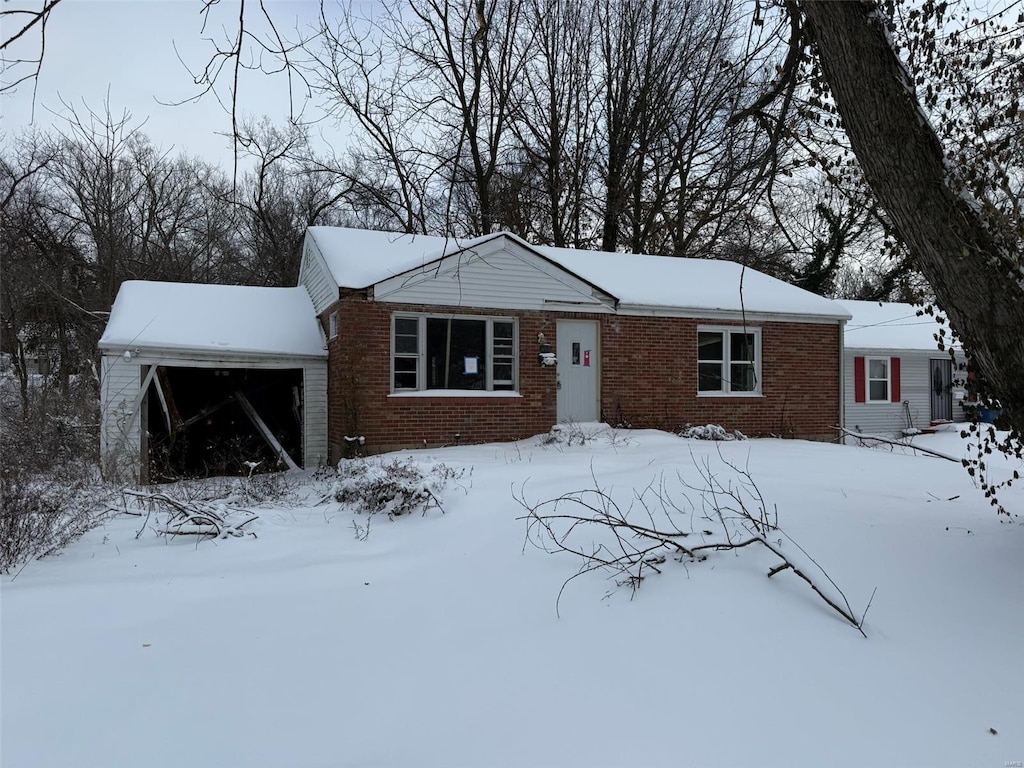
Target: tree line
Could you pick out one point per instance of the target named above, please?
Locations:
(696, 128)
(595, 125)
(94, 203)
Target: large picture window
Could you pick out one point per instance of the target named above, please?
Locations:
(465, 353)
(728, 361)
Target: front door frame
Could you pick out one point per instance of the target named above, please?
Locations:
(563, 333)
(940, 400)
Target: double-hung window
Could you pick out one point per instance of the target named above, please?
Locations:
(878, 379)
(470, 353)
(728, 361)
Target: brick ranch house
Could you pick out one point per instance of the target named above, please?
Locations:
(434, 341)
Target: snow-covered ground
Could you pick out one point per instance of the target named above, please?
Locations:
(435, 641)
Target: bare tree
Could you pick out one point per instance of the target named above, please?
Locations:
(102, 206)
(252, 41)
(19, 24)
(572, 123)
(365, 78)
(434, 86)
(555, 123)
(96, 175)
(42, 293)
(288, 191)
(473, 52)
(676, 170)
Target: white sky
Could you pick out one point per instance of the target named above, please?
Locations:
(127, 48)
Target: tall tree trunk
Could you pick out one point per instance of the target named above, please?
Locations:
(971, 259)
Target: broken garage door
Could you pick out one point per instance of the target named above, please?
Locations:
(203, 422)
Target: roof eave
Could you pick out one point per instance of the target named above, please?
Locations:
(731, 314)
(180, 351)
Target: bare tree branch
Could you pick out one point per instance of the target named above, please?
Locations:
(732, 515)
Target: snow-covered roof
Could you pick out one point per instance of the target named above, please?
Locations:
(218, 318)
(704, 284)
(890, 325)
(361, 258)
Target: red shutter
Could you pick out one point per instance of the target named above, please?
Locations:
(894, 383)
(859, 394)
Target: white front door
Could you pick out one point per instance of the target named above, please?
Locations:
(579, 370)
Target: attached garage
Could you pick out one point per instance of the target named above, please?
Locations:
(210, 379)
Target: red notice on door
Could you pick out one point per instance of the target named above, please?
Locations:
(586, 357)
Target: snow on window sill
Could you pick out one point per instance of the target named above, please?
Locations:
(457, 393)
(729, 394)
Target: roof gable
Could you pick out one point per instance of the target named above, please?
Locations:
(500, 272)
(360, 258)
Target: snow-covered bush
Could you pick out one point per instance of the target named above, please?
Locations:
(40, 515)
(50, 490)
(391, 486)
(711, 432)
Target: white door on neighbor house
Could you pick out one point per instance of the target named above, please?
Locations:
(579, 370)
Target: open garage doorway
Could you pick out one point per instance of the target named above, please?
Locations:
(206, 422)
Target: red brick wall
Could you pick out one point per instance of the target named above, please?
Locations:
(649, 379)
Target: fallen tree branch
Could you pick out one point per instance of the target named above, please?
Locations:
(629, 548)
(929, 451)
(190, 518)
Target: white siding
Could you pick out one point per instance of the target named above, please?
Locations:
(498, 275)
(119, 423)
(314, 389)
(890, 419)
(316, 277)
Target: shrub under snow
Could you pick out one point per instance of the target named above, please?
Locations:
(392, 486)
(711, 432)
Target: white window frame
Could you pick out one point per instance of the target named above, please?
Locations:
(421, 353)
(332, 325)
(868, 379)
(727, 331)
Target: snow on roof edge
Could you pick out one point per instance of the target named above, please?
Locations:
(598, 269)
(212, 319)
(880, 325)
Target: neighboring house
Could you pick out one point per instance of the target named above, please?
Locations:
(897, 381)
(439, 341)
(206, 374)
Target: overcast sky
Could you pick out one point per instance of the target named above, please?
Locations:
(127, 48)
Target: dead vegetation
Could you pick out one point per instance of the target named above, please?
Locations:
(724, 512)
(50, 490)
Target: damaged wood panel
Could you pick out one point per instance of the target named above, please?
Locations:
(265, 430)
